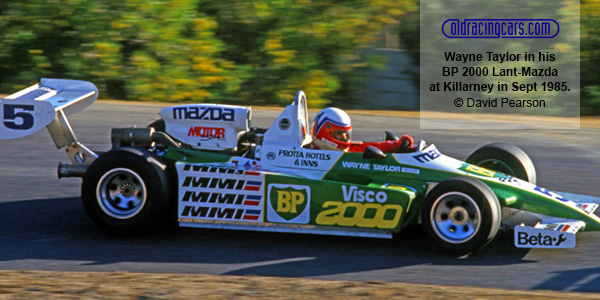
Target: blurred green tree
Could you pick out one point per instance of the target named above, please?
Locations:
(258, 52)
(590, 57)
(282, 46)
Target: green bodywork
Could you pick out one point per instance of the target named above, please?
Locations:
(382, 193)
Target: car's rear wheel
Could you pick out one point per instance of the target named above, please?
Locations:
(461, 215)
(504, 158)
(126, 191)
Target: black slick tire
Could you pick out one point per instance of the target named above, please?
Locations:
(461, 215)
(504, 158)
(126, 191)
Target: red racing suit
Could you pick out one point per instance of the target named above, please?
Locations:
(404, 144)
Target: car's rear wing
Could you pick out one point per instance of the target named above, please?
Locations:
(47, 104)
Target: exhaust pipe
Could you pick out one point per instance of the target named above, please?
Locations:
(141, 137)
(71, 170)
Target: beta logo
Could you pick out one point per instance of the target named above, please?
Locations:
(288, 203)
(529, 237)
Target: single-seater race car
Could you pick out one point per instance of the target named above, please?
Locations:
(203, 165)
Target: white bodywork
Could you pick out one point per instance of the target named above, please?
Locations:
(31, 109)
(219, 127)
(207, 126)
(47, 104)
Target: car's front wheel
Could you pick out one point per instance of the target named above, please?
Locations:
(126, 191)
(504, 158)
(461, 215)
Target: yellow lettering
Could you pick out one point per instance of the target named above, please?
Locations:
(389, 224)
(284, 201)
(329, 216)
(354, 214)
(480, 171)
(297, 199)
(370, 222)
(344, 220)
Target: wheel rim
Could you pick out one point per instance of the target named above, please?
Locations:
(455, 217)
(497, 165)
(121, 193)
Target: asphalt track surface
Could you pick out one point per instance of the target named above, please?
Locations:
(43, 225)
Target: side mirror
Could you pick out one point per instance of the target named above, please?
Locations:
(373, 152)
(389, 136)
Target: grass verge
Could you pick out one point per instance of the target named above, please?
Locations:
(123, 285)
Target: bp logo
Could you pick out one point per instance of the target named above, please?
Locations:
(288, 203)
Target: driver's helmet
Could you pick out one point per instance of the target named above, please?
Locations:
(332, 129)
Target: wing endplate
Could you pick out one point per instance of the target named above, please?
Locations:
(33, 108)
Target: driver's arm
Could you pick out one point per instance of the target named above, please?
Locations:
(402, 145)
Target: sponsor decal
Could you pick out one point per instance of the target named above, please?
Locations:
(252, 200)
(378, 167)
(213, 183)
(427, 156)
(558, 227)
(304, 154)
(361, 208)
(328, 142)
(288, 203)
(353, 193)
(252, 185)
(411, 170)
(367, 215)
(203, 113)
(305, 158)
(210, 169)
(221, 198)
(207, 197)
(387, 168)
(284, 124)
(221, 183)
(252, 214)
(247, 164)
(302, 158)
(306, 163)
(509, 179)
(220, 213)
(18, 116)
(550, 194)
(529, 237)
(27, 116)
(589, 208)
(207, 133)
(356, 165)
(473, 169)
(219, 193)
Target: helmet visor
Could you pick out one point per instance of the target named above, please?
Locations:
(343, 135)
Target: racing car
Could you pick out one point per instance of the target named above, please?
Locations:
(205, 166)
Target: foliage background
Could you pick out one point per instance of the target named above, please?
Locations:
(228, 51)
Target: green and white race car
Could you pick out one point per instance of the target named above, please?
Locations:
(203, 165)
